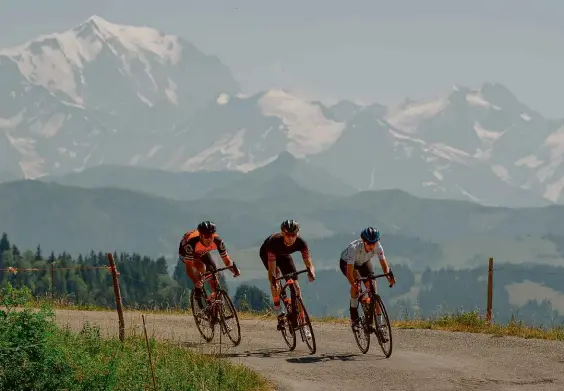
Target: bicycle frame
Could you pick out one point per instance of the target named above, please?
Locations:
(371, 292)
(212, 274)
(215, 308)
(293, 294)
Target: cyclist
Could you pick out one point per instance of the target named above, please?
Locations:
(194, 252)
(275, 255)
(356, 261)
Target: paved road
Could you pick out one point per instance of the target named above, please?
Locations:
(421, 360)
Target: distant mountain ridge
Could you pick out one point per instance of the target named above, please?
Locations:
(166, 105)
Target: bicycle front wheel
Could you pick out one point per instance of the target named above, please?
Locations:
(229, 313)
(385, 332)
(303, 322)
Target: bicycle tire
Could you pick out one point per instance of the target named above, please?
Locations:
(205, 317)
(307, 322)
(227, 300)
(366, 308)
(387, 325)
(288, 326)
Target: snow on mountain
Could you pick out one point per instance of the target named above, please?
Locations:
(450, 147)
(103, 93)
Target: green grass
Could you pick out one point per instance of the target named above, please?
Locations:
(473, 322)
(36, 354)
(461, 321)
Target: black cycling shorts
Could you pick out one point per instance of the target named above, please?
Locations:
(284, 262)
(364, 269)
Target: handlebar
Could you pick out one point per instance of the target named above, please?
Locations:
(213, 272)
(375, 276)
(291, 275)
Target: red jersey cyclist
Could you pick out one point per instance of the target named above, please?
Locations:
(275, 254)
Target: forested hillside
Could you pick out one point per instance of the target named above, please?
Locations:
(533, 293)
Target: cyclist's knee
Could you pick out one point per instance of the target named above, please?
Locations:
(354, 291)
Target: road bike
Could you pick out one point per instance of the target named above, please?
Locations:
(213, 311)
(368, 321)
(296, 316)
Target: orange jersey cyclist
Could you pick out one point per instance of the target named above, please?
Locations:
(194, 251)
(275, 254)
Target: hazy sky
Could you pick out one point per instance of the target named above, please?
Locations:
(334, 49)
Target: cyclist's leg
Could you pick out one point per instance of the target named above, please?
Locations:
(273, 287)
(193, 271)
(208, 264)
(286, 265)
(353, 306)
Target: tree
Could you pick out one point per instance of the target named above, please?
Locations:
(4, 243)
(250, 298)
(38, 256)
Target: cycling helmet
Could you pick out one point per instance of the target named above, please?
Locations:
(370, 235)
(290, 226)
(206, 228)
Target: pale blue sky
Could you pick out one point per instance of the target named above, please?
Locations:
(327, 49)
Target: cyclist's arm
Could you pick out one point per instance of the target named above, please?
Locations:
(304, 250)
(382, 258)
(220, 244)
(271, 265)
(350, 256)
(188, 250)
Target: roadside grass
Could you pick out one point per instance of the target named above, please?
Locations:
(35, 353)
(459, 321)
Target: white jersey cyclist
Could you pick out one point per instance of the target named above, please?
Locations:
(355, 261)
(356, 254)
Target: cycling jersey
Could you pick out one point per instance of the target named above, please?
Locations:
(355, 254)
(274, 246)
(191, 248)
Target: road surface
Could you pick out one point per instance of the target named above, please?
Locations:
(421, 359)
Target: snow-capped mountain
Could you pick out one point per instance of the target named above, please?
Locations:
(473, 144)
(102, 93)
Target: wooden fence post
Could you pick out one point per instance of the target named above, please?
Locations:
(53, 278)
(490, 292)
(117, 294)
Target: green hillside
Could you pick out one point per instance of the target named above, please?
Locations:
(418, 232)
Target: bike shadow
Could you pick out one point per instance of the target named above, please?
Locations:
(260, 353)
(323, 357)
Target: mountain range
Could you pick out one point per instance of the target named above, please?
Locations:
(104, 95)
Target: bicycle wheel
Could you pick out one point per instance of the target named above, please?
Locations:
(362, 333)
(303, 322)
(386, 331)
(288, 332)
(228, 329)
(201, 317)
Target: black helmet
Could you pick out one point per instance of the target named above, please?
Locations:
(290, 226)
(370, 235)
(206, 227)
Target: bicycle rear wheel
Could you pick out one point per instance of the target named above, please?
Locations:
(385, 333)
(288, 332)
(235, 328)
(201, 317)
(361, 333)
(305, 322)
